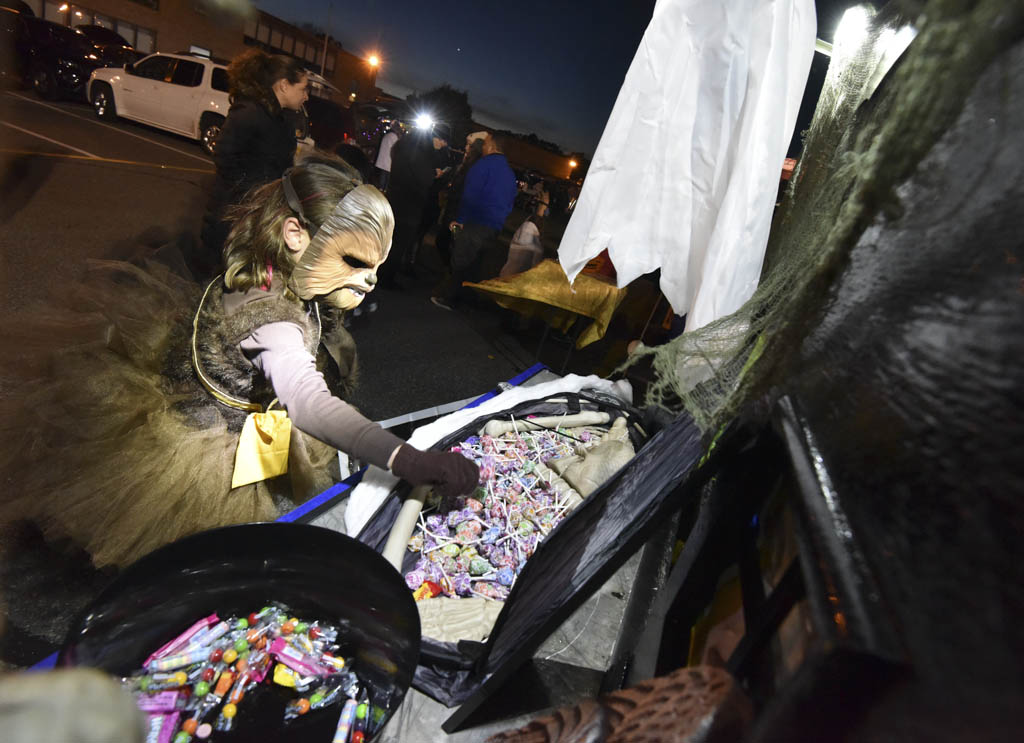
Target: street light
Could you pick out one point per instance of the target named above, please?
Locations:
(572, 164)
(373, 60)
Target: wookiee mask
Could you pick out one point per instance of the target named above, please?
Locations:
(339, 266)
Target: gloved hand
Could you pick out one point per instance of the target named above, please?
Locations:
(450, 473)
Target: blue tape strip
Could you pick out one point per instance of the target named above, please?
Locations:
(515, 382)
(50, 661)
(318, 500)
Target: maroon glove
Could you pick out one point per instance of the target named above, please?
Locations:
(449, 473)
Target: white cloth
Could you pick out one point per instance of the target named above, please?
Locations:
(687, 170)
(376, 484)
(384, 154)
(525, 250)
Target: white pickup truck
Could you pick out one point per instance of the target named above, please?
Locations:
(183, 93)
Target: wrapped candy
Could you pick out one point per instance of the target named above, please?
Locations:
(414, 579)
(479, 566)
(505, 517)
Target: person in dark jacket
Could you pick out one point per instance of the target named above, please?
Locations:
(257, 143)
(413, 171)
(474, 151)
(487, 199)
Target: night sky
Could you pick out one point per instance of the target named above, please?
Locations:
(551, 67)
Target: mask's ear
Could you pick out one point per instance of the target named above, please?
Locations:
(295, 236)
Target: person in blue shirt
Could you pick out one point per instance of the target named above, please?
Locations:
(487, 199)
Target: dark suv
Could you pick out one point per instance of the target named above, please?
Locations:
(53, 59)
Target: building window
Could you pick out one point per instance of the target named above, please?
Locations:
(275, 39)
(105, 21)
(250, 28)
(263, 34)
(127, 30)
(145, 41)
(300, 49)
(310, 54)
(37, 6)
(288, 44)
(330, 63)
(51, 12)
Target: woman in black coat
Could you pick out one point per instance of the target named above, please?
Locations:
(257, 143)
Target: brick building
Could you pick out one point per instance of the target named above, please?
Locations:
(196, 25)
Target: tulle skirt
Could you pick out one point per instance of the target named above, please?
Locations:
(107, 437)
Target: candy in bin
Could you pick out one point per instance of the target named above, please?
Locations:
(183, 639)
(362, 719)
(414, 579)
(160, 726)
(163, 681)
(226, 719)
(284, 676)
(295, 659)
(164, 701)
(322, 633)
(427, 590)
(343, 732)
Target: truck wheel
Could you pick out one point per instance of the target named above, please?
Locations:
(209, 129)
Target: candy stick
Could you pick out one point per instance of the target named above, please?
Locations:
(348, 716)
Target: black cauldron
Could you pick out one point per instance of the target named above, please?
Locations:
(318, 573)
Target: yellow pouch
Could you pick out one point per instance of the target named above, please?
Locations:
(262, 450)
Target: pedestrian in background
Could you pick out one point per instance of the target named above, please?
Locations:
(413, 170)
(442, 181)
(474, 151)
(383, 164)
(257, 143)
(487, 200)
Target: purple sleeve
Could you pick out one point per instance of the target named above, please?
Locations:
(278, 352)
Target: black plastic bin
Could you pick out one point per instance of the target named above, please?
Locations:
(235, 570)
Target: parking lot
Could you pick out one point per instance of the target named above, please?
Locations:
(76, 188)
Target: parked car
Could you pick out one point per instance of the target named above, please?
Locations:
(112, 48)
(182, 93)
(53, 59)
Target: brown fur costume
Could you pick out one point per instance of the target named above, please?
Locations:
(114, 444)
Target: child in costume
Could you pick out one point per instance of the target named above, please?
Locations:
(130, 437)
